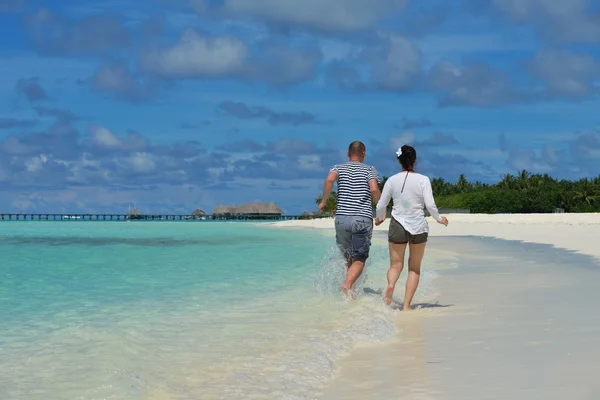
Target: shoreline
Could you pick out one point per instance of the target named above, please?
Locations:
(523, 314)
(572, 232)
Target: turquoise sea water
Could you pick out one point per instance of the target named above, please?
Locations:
(127, 310)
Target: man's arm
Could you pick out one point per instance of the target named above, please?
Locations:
(383, 202)
(374, 187)
(327, 187)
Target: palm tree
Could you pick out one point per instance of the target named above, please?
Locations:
(330, 205)
(507, 182)
(585, 192)
(462, 185)
(536, 180)
(566, 202)
(439, 186)
(382, 183)
(479, 185)
(523, 180)
(524, 193)
(548, 179)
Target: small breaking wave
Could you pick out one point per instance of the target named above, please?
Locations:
(302, 368)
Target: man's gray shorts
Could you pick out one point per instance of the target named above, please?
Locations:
(353, 236)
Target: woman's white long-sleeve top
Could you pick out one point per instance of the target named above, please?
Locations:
(410, 202)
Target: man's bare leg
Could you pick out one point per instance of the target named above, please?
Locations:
(354, 271)
(349, 262)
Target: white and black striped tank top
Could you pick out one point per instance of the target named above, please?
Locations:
(353, 193)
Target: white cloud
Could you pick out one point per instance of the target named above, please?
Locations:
(118, 79)
(475, 84)
(200, 56)
(561, 20)
(281, 65)
(337, 50)
(396, 142)
(567, 73)
(393, 64)
(36, 163)
(330, 15)
(141, 162)
(400, 65)
(104, 138)
(525, 9)
(310, 162)
(196, 55)
(436, 46)
(13, 145)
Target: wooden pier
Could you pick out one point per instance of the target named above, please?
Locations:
(150, 217)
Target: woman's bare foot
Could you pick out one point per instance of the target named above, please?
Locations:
(406, 307)
(389, 295)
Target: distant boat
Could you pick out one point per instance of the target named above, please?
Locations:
(71, 217)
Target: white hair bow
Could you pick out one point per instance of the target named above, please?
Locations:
(399, 152)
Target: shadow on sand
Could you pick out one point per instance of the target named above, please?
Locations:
(396, 305)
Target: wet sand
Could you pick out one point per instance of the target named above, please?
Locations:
(520, 317)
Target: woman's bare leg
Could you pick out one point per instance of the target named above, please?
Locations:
(417, 251)
(397, 252)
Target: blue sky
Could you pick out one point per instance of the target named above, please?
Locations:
(175, 105)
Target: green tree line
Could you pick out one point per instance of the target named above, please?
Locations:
(521, 193)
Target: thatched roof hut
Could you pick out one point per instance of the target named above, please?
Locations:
(308, 215)
(134, 211)
(253, 208)
(198, 213)
(221, 210)
(248, 208)
(273, 209)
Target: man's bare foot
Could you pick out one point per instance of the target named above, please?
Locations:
(389, 294)
(348, 292)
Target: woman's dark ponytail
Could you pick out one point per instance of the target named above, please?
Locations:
(407, 157)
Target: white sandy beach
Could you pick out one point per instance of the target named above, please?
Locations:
(521, 323)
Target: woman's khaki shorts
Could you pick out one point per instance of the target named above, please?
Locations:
(398, 235)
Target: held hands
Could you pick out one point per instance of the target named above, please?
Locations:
(444, 221)
(378, 221)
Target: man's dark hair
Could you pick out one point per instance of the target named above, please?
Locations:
(357, 148)
(408, 158)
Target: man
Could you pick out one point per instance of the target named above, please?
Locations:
(358, 190)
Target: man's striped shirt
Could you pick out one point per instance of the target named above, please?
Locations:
(353, 193)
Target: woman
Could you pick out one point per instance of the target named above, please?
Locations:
(411, 192)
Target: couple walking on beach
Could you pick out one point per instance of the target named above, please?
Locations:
(358, 190)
